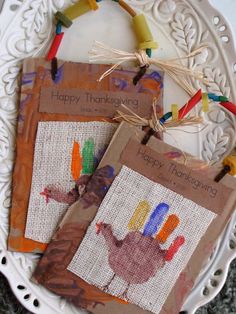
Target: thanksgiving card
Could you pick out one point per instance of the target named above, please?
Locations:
(49, 111)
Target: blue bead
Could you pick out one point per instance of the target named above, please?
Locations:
(58, 28)
(165, 117)
(213, 97)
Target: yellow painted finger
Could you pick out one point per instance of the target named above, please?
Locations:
(140, 215)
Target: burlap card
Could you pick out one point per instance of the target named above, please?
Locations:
(65, 157)
(133, 185)
(75, 95)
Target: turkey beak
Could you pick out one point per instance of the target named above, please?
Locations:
(98, 227)
(45, 193)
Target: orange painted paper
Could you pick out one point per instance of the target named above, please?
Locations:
(36, 74)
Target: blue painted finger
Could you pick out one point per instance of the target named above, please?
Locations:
(156, 219)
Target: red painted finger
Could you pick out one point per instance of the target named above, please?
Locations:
(173, 249)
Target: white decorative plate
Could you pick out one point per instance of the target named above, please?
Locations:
(179, 26)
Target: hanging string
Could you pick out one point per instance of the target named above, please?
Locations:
(126, 7)
(178, 72)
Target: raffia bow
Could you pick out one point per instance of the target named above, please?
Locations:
(178, 72)
(154, 123)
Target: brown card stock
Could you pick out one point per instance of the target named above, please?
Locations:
(36, 79)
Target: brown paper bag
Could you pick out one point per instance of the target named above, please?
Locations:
(74, 96)
(162, 165)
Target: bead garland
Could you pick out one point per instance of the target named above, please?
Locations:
(146, 44)
(66, 18)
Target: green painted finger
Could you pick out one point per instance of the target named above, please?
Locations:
(88, 156)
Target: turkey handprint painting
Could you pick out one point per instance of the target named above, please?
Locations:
(140, 240)
(83, 165)
(138, 256)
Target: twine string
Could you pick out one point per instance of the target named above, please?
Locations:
(142, 58)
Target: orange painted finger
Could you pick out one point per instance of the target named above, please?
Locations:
(140, 215)
(76, 162)
(169, 226)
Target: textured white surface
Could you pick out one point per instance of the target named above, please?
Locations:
(227, 8)
(117, 208)
(52, 166)
(25, 30)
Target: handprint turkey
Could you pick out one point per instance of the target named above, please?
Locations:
(84, 165)
(139, 255)
(140, 241)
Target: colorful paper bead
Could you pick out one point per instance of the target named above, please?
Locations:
(143, 33)
(175, 112)
(230, 161)
(205, 102)
(65, 21)
(229, 106)
(54, 46)
(190, 104)
(80, 8)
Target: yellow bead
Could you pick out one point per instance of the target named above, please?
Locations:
(63, 19)
(148, 45)
(80, 8)
(205, 102)
(93, 4)
(143, 33)
(175, 112)
(231, 162)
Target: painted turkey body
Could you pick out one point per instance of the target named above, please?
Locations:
(136, 258)
(54, 191)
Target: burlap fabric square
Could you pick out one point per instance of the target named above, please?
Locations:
(140, 240)
(65, 155)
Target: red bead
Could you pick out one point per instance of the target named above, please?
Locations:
(190, 104)
(230, 106)
(54, 46)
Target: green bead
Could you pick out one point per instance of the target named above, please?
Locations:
(149, 52)
(63, 19)
(223, 98)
